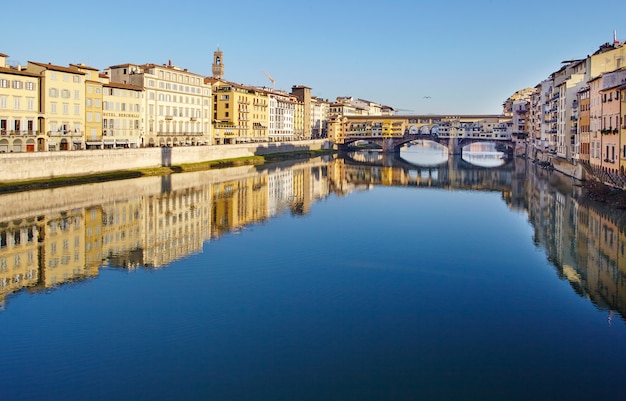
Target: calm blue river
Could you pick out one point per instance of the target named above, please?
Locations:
(367, 277)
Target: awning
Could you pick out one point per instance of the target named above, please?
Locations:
(77, 141)
(122, 141)
(109, 141)
(94, 143)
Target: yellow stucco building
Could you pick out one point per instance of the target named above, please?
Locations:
(240, 113)
(19, 109)
(62, 105)
(93, 106)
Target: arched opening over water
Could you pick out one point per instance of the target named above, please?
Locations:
(483, 154)
(424, 153)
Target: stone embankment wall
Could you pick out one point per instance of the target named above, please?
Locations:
(548, 159)
(17, 167)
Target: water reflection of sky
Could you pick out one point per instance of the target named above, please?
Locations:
(424, 153)
(483, 154)
(429, 154)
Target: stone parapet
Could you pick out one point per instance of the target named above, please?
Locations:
(16, 167)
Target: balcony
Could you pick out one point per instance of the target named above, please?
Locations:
(26, 133)
(179, 134)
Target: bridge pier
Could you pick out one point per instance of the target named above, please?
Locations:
(389, 146)
(454, 148)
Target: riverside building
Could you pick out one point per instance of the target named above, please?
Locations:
(62, 91)
(176, 103)
(19, 110)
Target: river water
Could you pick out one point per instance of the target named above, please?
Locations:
(367, 277)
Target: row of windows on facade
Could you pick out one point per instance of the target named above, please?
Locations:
(165, 97)
(180, 88)
(16, 84)
(17, 103)
(175, 77)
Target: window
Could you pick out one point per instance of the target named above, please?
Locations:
(76, 109)
(53, 92)
(4, 83)
(65, 94)
(30, 103)
(53, 108)
(66, 108)
(18, 84)
(76, 94)
(17, 103)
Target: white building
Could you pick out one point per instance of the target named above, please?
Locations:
(177, 103)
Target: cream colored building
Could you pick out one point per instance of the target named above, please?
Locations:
(122, 106)
(62, 105)
(19, 109)
(177, 106)
(282, 115)
(320, 114)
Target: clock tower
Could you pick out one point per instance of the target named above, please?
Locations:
(218, 66)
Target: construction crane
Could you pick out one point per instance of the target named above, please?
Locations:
(270, 78)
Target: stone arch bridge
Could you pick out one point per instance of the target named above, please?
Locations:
(391, 132)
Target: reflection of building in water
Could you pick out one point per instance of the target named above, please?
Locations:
(122, 232)
(94, 255)
(177, 223)
(19, 255)
(63, 257)
(165, 220)
(583, 241)
(237, 203)
(280, 191)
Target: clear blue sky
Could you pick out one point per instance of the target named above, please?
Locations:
(468, 56)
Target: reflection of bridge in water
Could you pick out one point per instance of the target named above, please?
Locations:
(390, 169)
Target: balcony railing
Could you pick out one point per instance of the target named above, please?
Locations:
(26, 133)
(68, 133)
(185, 134)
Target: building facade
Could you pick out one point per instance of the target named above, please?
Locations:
(62, 91)
(176, 110)
(19, 110)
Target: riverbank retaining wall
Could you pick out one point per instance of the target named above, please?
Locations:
(18, 167)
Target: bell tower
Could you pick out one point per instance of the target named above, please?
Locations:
(218, 66)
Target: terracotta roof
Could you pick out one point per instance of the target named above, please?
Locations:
(121, 65)
(4, 55)
(83, 66)
(122, 86)
(53, 67)
(17, 72)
